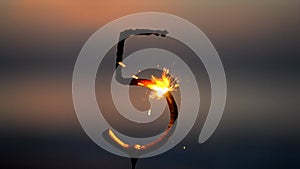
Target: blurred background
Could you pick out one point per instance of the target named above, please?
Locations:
(258, 42)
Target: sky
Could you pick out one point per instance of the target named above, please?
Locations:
(258, 43)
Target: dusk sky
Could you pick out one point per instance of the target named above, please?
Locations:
(257, 41)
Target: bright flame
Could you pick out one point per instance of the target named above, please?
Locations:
(161, 85)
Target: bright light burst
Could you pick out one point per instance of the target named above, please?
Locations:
(161, 85)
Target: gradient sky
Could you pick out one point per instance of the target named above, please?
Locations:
(258, 42)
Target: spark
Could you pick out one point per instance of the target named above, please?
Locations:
(135, 77)
(184, 147)
(149, 112)
(122, 64)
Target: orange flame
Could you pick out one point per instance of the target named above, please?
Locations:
(161, 85)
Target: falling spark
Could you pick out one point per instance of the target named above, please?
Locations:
(184, 147)
(141, 84)
(149, 112)
(122, 64)
(166, 70)
(135, 77)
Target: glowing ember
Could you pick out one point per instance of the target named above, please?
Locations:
(122, 64)
(138, 147)
(120, 142)
(161, 85)
(135, 77)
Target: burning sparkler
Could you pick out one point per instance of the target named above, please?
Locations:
(161, 86)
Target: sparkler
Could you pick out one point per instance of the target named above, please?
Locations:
(162, 86)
